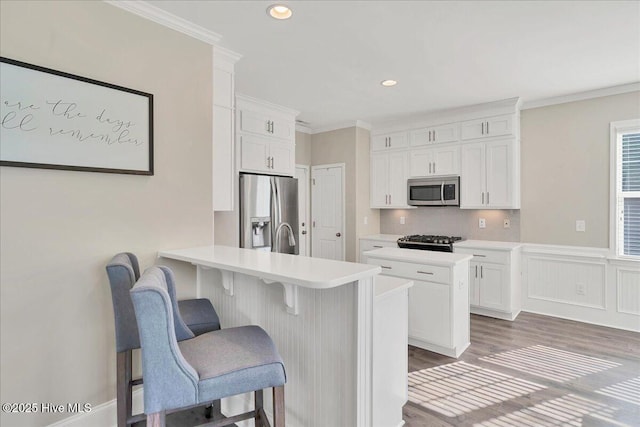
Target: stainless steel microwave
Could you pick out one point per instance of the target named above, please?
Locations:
(440, 191)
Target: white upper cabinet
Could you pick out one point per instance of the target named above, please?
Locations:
(435, 134)
(489, 127)
(439, 160)
(389, 179)
(480, 143)
(267, 125)
(265, 137)
(490, 175)
(389, 141)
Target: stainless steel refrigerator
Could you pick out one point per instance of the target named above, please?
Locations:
(269, 213)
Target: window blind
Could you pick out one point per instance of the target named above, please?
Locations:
(629, 188)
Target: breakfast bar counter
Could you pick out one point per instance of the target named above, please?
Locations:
(319, 313)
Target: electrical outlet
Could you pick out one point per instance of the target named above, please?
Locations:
(482, 223)
(402, 220)
(581, 289)
(507, 223)
(366, 220)
(581, 225)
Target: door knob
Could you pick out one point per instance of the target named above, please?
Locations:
(304, 231)
(338, 234)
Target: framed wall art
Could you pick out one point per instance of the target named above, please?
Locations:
(55, 120)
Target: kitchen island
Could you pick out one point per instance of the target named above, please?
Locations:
(319, 313)
(439, 299)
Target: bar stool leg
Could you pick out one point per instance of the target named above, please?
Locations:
(123, 387)
(278, 406)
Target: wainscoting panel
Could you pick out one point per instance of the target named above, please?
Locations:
(567, 281)
(582, 284)
(628, 289)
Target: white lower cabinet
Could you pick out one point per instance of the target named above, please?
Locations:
(438, 300)
(370, 244)
(494, 278)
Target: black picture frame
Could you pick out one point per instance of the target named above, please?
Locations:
(51, 119)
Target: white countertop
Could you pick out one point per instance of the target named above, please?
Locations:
(387, 284)
(315, 273)
(487, 244)
(423, 257)
(382, 237)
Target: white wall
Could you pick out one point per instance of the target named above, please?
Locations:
(58, 229)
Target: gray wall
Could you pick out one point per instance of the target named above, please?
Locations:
(565, 177)
(58, 229)
(565, 169)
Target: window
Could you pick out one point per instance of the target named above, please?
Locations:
(625, 188)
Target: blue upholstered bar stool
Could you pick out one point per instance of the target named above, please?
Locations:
(194, 317)
(209, 367)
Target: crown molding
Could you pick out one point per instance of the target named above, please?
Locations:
(342, 125)
(240, 98)
(162, 17)
(226, 54)
(581, 96)
(304, 129)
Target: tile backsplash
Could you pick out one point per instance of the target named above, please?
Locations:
(452, 221)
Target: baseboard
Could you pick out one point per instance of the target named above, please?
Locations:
(103, 415)
(582, 320)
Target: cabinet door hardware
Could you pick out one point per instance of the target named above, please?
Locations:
(434, 167)
(376, 246)
(487, 197)
(338, 234)
(385, 267)
(304, 231)
(267, 125)
(313, 224)
(425, 272)
(434, 135)
(483, 197)
(479, 256)
(487, 128)
(389, 198)
(481, 272)
(429, 167)
(272, 163)
(268, 163)
(476, 271)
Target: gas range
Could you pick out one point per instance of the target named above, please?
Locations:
(428, 242)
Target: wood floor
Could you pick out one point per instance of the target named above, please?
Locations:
(535, 371)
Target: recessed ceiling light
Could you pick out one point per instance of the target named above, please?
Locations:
(279, 11)
(388, 83)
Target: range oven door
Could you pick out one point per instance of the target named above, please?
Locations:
(441, 191)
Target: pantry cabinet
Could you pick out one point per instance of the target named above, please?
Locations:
(265, 137)
(440, 160)
(389, 179)
(490, 175)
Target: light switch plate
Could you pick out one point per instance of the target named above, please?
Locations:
(402, 220)
(507, 223)
(581, 225)
(482, 223)
(366, 220)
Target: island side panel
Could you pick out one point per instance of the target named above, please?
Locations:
(319, 346)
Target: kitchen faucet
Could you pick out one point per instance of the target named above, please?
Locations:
(292, 239)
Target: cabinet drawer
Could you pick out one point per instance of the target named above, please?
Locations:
(369, 245)
(482, 255)
(427, 273)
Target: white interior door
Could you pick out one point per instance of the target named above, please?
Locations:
(327, 211)
(302, 173)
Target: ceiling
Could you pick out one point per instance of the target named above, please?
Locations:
(328, 60)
